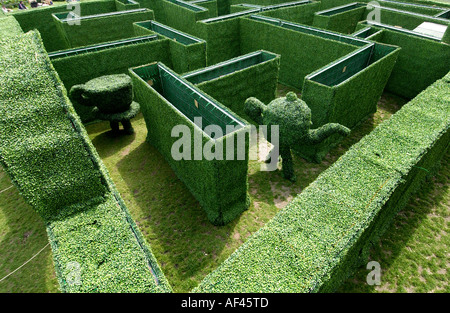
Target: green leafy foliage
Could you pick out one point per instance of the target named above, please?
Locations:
(78, 69)
(109, 93)
(346, 93)
(183, 18)
(303, 14)
(315, 52)
(9, 27)
(187, 52)
(220, 186)
(326, 231)
(235, 80)
(46, 152)
(342, 22)
(293, 117)
(42, 20)
(420, 62)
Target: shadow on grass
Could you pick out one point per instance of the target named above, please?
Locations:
(23, 234)
(182, 238)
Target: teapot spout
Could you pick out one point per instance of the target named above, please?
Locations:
(318, 135)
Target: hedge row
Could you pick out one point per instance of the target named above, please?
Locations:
(187, 52)
(420, 62)
(421, 7)
(101, 28)
(42, 20)
(303, 14)
(183, 18)
(9, 27)
(316, 52)
(125, 5)
(210, 5)
(346, 92)
(319, 239)
(343, 21)
(78, 69)
(47, 153)
(234, 81)
(404, 19)
(220, 185)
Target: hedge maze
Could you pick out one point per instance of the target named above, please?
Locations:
(204, 59)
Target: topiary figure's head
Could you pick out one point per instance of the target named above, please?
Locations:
(291, 114)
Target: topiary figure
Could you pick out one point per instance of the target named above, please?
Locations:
(293, 118)
(112, 97)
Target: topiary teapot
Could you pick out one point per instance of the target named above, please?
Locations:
(110, 94)
(293, 117)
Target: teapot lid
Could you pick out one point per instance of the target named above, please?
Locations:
(108, 83)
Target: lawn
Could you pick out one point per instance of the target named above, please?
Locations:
(413, 253)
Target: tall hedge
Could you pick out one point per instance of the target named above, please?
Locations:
(210, 5)
(220, 186)
(49, 157)
(405, 19)
(101, 28)
(343, 21)
(315, 52)
(234, 81)
(320, 238)
(420, 62)
(187, 52)
(347, 93)
(42, 20)
(303, 14)
(183, 18)
(78, 69)
(9, 27)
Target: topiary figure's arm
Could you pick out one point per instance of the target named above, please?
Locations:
(318, 135)
(254, 109)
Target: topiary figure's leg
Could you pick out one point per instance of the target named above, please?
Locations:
(287, 164)
(114, 127)
(127, 127)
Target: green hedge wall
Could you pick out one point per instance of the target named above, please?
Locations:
(421, 7)
(316, 52)
(49, 157)
(303, 14)
(187, 52)
(420, 62)
(220, 186)
(234, 81)
(183, 18)
(222, 39)
(210, 5)
(405, 19)
(351, 99)
(42, 20)
(98, 29)
(157, 6)
(124, 5)
(9, 27)
(343, 22)
(319, 239)
(79, 69)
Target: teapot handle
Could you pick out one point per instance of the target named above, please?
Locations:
(77, 94)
